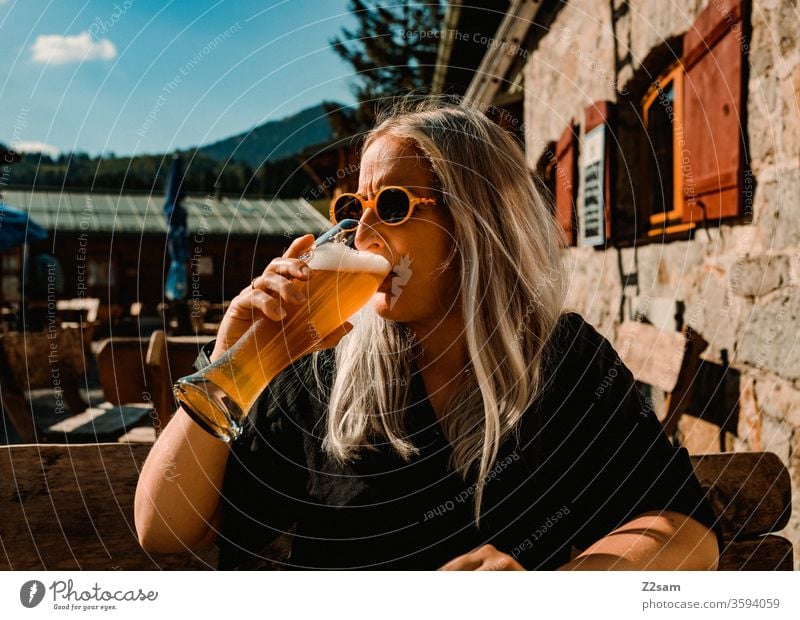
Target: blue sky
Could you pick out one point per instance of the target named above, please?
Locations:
(147, 76)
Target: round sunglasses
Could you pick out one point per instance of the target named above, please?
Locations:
(393, 205)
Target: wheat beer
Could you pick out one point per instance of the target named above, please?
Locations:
(342, 281)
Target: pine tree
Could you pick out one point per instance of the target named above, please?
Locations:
(393, 51)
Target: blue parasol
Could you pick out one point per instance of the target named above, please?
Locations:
(177, 242)
(16, 228)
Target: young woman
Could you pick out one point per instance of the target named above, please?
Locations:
(465, 422)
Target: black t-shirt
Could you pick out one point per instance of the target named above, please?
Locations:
(588, 456)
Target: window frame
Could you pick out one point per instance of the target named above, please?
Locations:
(670, 221)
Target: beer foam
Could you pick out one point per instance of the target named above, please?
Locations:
(339, 257)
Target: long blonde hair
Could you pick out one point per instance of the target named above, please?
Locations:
(512, 289)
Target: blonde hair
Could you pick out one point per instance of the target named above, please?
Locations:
(512, 288)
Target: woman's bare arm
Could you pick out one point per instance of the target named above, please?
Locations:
(652, 541)
(177, 504)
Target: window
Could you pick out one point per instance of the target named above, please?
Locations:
(716, 166)
(100, 273)
(662, 112)
(675, 148)
(545, 175)
(565, 183)
(10, 276)
(696, 163)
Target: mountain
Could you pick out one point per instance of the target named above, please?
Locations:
(263, 164)
(276, 140)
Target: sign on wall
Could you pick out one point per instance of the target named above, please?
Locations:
(591, 216)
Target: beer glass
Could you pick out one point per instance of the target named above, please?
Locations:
(342, 281)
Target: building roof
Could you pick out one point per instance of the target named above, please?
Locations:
(465, 33)
(67, 212)
(504, 50)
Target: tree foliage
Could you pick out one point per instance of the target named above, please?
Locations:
(202, 174)
(393, 51)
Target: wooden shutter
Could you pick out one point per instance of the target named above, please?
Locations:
(565, 186)
(713, 163)
(597, 114)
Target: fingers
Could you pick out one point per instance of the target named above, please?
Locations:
(269, 294)
(277, 285)
(299, 245)
(249, 302)
(463, 562)
(501, 562)
(267, 304)
(289, 268)
(486, 558)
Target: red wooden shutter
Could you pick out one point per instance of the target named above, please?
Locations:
(713, 163)
(565, 186)
(599, 113)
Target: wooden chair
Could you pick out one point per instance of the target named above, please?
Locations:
(122, 370)
(125, 380)
(750, 491)
(54, 360)
(71, 508)
(168, 359)
(142, 371)
(80, 313)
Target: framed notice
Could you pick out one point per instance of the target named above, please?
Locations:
(591, 211)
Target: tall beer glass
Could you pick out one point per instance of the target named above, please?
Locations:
(342, 281)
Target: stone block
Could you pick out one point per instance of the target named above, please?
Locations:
(756, 276)
(749, 426)
(775, 208)
(778, 399)
(770, 336)
(712, 311)
(776, 437)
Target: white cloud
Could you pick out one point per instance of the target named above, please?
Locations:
(56, 49)
(36, 147)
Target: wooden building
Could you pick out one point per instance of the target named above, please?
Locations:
(114, 246)
(669, 136)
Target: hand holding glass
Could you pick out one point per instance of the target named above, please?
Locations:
(341, 282)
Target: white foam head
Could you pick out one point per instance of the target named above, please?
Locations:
(338, 257)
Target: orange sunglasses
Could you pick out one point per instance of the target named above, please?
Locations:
(393, 204)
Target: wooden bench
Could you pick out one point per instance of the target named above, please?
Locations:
(54, 362)
(80, 313)
(71, 507)
(136, 376)
(750, 491)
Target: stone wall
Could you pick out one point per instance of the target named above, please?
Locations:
(739, 285)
